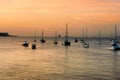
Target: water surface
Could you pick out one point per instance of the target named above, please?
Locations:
(57, 62)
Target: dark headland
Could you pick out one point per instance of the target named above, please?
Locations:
(6, 34)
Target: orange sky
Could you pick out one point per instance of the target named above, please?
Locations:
(22, 17)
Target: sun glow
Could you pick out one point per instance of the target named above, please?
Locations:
(20, 17)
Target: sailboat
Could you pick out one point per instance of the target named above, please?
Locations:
(86, 44)
(55, 41)
(114, 42)
(25, 44)
(34, 44)
(111, 37)
(42, 40)
(35, 40)
(99, 37)
(82, 40)
(75, 40)
(66, 42)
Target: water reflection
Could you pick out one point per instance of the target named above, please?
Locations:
(57, 62)
(115, 65)
(66, 63)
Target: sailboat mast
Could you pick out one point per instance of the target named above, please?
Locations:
(66, 34)
(83, 33)
(42, 33)
(86, 33)
(115, 32)
(99, 34)
(56, 36)
(111, 35)
(34, 35)
(35, 39)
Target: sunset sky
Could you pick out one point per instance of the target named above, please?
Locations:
(23, 17)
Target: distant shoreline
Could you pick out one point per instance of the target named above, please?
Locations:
(6, 34)
(9, 36)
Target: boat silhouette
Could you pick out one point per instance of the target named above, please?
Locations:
(43, 40)
(66, 42)
(33, 46)
(25, 44)
(75, 40)
(55, 41)
(115, 42)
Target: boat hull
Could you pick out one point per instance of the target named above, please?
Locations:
(85, 45)
(82, 41)
(75, 41)
(25, 44)
(42, 41)
(55, 42)
(33, 46)
(66, 43)
(116, 46)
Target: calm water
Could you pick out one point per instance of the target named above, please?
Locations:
(57, 62)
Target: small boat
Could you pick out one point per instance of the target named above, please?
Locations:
(55, 42)
(66, 42)
(42, 40)
(85, 45)
(75, 40)
(33, 46)
(25, 44)
(98, 42)
(82, 41)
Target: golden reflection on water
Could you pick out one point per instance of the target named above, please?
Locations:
(37, 64)
(58, 63)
